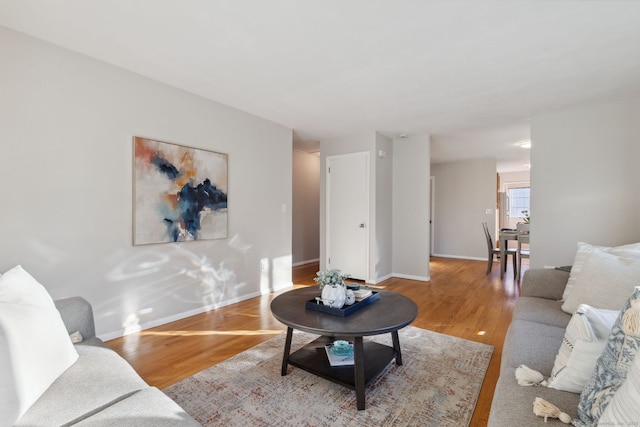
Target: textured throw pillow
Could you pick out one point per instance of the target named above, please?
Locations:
(584, 339)
(604, 281)
(34, 344)
(612, 365)
(584, 249)
(624, 408)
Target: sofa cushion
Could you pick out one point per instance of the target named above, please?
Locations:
(605, 284)
(146, 408)
(544, 283)
(35, 348)
(77, 315)
(532, 344)
(584, 339)
(540, 310)
(611, 369)
(99, 378)
(513, 404)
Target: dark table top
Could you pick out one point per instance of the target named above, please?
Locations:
(390, 313)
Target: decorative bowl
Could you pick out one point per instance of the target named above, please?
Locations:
(341, 348)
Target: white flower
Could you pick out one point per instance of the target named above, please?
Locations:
(330, 277)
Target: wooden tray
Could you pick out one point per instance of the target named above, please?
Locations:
(344, 311)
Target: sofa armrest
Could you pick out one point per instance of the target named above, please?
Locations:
(544, 283)
(77, 315)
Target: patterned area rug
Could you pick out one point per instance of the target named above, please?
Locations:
(437, 385)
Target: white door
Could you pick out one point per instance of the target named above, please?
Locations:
(348, 214)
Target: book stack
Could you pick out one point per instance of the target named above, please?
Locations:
(337, 359)
(361, 294)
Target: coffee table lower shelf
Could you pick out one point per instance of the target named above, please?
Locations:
(313, 358)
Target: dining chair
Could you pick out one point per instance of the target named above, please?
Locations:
(493, 251)
(523, 238)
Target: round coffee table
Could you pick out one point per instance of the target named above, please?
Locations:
(389, 314)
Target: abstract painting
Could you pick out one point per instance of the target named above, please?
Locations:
(180, 193)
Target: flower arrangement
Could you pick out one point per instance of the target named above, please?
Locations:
(525, 217)
(330, 277)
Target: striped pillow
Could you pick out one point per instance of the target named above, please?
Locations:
(584, 339)
(611, 368)
(623, 410)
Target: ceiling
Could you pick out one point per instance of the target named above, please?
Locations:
(470, 73)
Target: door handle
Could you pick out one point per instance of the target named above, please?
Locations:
(362, 225)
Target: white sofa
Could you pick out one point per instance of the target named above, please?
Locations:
(533, 339)
(54, 371)
(100, 388)
(583, 363)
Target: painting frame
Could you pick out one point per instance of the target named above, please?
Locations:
(180, 193)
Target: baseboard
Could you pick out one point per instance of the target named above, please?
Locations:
(179, 316)
(470, 258)
(411, 277)
(309, 261)
(399, 276)
(379, 279)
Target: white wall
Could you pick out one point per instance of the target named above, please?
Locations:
(382, 254)
(514, 177)
(411, 199)
(463, 192)
(399, 208)
(66, 180)
(306, 208)
(584, 179)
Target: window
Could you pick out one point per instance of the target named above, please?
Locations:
(519, 202)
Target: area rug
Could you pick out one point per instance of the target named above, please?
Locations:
(437, 385)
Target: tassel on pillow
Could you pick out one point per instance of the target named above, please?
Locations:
(631, 319)
(529, 377)
(542, 408)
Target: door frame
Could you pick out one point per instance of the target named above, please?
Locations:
(432, 210)
(367, 156)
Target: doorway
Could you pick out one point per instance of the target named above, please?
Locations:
(347, 214)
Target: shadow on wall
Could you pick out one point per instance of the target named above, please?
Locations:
(174, 277)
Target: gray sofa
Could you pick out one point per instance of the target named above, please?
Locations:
(100, 388)
(533, 339)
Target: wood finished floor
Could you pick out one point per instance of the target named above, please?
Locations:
(460, 300)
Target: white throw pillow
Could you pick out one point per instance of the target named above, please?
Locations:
(584, 339)
(604, 281)
(584, 249)
(624, 410)
(34, 344)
